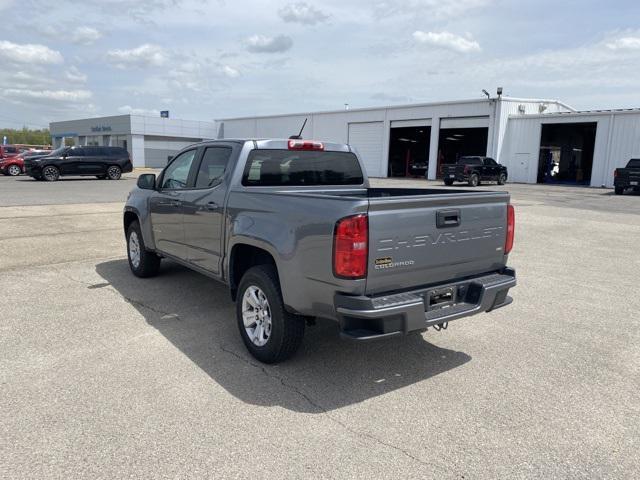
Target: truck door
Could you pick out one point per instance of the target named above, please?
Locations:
(166, 206)
(204, 208)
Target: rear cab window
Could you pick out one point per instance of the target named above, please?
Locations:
(470, 161)
(270, 168)
(634, 163)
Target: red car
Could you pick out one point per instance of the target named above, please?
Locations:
(13, 164)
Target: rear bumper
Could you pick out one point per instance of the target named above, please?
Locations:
(370, 318)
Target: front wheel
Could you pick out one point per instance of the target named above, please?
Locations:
(114, 172)
(502, 179)
(14, 170)
(50, 173)
(448, 182)
(142, 262)
(474, 180)
(270, 333)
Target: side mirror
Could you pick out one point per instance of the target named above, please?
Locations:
(147, 181)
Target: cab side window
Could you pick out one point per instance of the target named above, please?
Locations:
(213, 165)
(177, 173)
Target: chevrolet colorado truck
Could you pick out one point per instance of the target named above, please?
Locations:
(628, 177)
(294, 230)
(473, 170)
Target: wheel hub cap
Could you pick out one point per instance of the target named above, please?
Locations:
(256, 315)
(134, 249)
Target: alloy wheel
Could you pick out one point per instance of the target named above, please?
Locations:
(134, 249)
(256, 315)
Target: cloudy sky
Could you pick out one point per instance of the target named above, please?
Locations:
(222, 58)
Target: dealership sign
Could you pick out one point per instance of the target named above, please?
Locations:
(101, 128)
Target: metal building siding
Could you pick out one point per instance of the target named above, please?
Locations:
(522, 136)
(367, 138)
(624, 144)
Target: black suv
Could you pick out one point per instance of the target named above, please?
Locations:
(101, 162)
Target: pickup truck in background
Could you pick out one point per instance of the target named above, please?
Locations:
(628, 177)
(296, 232)
(473, 170)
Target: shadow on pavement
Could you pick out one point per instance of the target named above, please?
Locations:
(196, 315)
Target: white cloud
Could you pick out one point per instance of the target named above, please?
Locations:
(129, 110)
(5, 4)
(230, 71)
(47, 95)
(302, 12)
(75, 75)
(625, 43)
(434, 9)
(146, 55)
(85, 35)
(447, 40)
(264, 44)
(29, 53)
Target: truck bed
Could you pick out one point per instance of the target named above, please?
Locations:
(425, 236)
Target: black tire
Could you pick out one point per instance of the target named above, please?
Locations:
(448, 182)
(474, 180)
(50, 173)
(148, 262)
(502, 179)
(286, 329)
(114, 172)
(619, 190)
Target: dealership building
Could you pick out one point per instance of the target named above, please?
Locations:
(149, 140)
(540, 141)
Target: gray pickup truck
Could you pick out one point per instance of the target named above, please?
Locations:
(296, 232)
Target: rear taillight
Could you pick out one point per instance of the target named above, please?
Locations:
(351, 247)
(511, 229)
(615, 173)
(305, 145)
(466, 169)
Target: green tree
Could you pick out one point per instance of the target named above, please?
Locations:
(26, 136)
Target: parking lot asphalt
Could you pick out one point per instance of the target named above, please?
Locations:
(105, 375)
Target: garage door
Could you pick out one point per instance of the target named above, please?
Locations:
(367, 139)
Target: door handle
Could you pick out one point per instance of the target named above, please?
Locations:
(212, 206)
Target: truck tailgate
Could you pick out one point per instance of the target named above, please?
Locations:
(430, 239)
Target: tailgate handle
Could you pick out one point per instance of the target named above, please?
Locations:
(448, 218)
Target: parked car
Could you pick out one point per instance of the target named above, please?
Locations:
(15, 165)
(628, 177)
(101, 162)
(296, 232)
(7, 151)
(473, 170)
(12, 165)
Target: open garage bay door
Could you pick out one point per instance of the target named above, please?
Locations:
(367, 139)
(461, 137)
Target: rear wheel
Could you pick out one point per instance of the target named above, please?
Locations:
(114, 172)
(14, 170)
(270, 333)
(448, 182)
(502, 179)
(50, 173)
(619, 190)
(474, 180)
(143, 263)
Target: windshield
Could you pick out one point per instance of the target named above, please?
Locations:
(59, 151)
